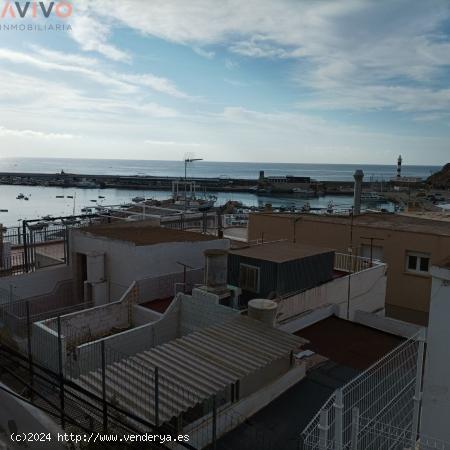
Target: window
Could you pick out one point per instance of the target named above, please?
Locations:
(417, 262)
(249, 278)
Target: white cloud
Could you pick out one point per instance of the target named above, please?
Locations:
(92, 35)
(156, 83)
(231, 65)
(208, 54)
(171, 143)
(339, 45)
(49, 60)
(34, 134)
(48, 98)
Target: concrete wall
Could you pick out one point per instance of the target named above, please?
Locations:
(166, 285)
(36, 283)
(387, 324)
(17, 416)
(87, 357)
(125, 262)
(44, 346)
(119, 260)
(198, 311)
(367, 293)
(308, 318)
(92, 323)
(407, 294)
(185, 315)
(436, 383)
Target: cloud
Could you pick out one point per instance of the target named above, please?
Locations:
(46, 98)
(49, 60)
(4, 132)
(205, 53)
(92, 35)
(55, 61)
(156, 83)
(172, 143)
(231, 65)
(359, 46)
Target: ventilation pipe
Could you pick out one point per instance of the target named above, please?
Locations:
(358, 176)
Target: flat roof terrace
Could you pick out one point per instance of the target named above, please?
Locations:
(348, 343)
(388, 221)
(143, 233)
(281, 251)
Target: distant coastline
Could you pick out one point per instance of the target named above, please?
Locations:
(209, 169)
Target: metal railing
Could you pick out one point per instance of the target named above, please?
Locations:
(386, 392)
(347, 262)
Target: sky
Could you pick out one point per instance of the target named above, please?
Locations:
(301, 81)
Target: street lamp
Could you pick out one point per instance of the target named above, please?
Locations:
(186, 162)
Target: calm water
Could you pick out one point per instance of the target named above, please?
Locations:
(321, 172)
(43, 201)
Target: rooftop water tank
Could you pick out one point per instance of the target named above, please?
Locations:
(263, 310)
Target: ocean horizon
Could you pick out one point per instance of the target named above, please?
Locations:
(212, 169)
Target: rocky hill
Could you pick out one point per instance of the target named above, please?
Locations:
(441, 179)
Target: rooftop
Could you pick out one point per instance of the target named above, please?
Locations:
(204, 362)
(397, 222)
(348, 343)
(144, 233)
(281, 251)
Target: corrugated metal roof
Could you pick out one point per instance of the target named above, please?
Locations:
(193, 367)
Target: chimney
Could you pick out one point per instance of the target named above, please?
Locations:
(216, 270)
(358, 176)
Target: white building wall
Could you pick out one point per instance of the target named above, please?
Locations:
(367, 293)
(161, 259)
(125, 262)
(35, 283)
(436, 384)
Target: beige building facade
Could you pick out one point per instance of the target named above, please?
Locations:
(409, 246)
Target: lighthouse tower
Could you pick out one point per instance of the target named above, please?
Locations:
(399, 166)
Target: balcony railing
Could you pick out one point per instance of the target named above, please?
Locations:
(346, 262)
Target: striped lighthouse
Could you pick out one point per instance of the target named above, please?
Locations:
(399, 166)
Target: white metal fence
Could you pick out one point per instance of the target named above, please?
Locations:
(388, 392)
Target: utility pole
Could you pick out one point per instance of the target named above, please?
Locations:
(351, 264)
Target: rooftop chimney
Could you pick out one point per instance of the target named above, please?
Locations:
(216, 270)
(358, 176)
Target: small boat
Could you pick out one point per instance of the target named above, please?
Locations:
(26, 198)
(371, 197)
(330, 207)
(85, 210)
(94, 201)
(3, 210)
(303, 192)
(138, 199)
(70, 196)
(60, 196)
(20, 197)
(101, 196)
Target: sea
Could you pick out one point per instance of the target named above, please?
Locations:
(43, 200)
